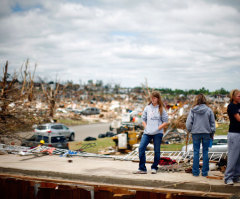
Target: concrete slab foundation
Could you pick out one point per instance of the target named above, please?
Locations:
(109, 172)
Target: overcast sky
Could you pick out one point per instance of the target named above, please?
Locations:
(185, 44)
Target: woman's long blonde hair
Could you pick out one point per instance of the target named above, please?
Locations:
(160, 103)
(233, 93)
(200, 99)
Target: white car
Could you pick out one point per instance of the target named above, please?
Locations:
(219, 145)
(55, 129)
(90, 111)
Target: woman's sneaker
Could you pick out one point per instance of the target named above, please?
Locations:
(229, 182)
(153, 171)
(140, 172)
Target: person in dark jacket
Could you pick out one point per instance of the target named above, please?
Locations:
(232, 173)
(201, 124)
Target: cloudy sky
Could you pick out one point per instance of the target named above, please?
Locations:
(185, 44)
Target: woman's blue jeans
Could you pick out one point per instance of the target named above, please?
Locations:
(157, 139)
(199, 138)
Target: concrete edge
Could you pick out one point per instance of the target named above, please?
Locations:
(124, 181)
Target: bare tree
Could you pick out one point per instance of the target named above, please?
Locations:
(6, 90)
(146, 91)
(51, 94)
(16, 112)
(28, 81)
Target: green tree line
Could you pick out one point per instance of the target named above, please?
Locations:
(203, 90)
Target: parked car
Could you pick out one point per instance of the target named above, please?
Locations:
(90, 111)
(219, 145)
(55, 129)
(76, 111)
(49, 140)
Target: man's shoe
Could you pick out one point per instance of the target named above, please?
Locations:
(229, 182)
(153, 171)
(140, 172)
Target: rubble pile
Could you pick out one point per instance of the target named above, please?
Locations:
(178, 116)
(220, 112)
(179, 122)
(175, 137)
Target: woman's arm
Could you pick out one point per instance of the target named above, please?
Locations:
(189, 121)
(144, 124)
(212, 122)
(237, 117)
(164, 119)
(144, 117)
(162, 125)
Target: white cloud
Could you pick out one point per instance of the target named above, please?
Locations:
(177, 44)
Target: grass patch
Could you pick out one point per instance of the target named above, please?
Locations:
(172, 147)
(70, 122)
(222, 129)
(104, 143)
(101, 144)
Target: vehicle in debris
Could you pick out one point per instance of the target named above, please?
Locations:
(46, 140)
(54, 129)
(90, 111)
(219, 144)
(129, 121)
(76, 111)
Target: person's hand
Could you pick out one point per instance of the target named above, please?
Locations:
(144, 125)
(211, 135)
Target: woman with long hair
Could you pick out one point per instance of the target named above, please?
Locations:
(232, 173)
(201, 124)
(154, 118)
